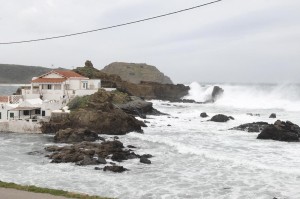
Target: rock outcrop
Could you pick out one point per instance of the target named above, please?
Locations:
(221, 118)
(135, 72)
(254, 127)
(281, 131)
(273, 115)
(145, 90)
(88, 153)
(97, 113)
(216, 93)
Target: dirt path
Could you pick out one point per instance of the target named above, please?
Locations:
(17, 194)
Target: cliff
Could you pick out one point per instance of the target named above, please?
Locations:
(135, 72)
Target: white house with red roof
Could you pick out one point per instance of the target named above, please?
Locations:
(61, 85)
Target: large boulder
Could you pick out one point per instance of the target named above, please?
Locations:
(254, 127)
(136, 72)
(281, 131)
(75, 135)
(221, 118)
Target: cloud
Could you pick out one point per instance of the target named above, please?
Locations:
(232, 41)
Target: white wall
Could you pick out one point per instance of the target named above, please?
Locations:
(24, 127)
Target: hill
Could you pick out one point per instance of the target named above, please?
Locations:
(19, 74)
(136, 72)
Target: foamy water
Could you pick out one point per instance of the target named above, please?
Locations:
(193, 158)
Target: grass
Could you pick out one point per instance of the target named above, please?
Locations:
(48, 191)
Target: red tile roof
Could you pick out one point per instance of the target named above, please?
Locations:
(68, 73)
(49, 80)
(4, 99)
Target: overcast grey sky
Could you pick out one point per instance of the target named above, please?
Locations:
(231, 41)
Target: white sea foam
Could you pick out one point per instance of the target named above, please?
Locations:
(193, 158)
(259, 96)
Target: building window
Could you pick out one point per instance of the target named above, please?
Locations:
(38, 111)
(26, 112)
(49, 86)
(11, 115)
(85, 85)
(0, 116)
(43, 113)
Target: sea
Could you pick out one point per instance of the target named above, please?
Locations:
(193, 157)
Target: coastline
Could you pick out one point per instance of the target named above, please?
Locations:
(13, 190)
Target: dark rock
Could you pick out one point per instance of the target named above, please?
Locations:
(281, 131)
(117, 169)
(87, 160)
(88, 64)
(116, 138)
(169, 125)
(251, 127)
(139, 107)
(130, 146)
(97, 113)
(145, 160)
(75, 135)
(221, 118)
(273, 115)
(97, 168)
(215, 95)
(203, 115)
(119, 157)
(88, 153)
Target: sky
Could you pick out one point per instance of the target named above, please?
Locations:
(254, 41)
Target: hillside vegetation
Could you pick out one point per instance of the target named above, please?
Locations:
(19, 74)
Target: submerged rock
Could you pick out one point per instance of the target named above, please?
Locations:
(281, 131)
(116, 169)
(273, 115)
(221, 118)
(251, 127)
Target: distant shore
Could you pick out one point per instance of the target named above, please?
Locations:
(13, 190)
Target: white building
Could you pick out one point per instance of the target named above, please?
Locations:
(47, 93)
(61, 85)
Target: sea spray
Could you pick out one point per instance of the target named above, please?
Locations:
(256, 96)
